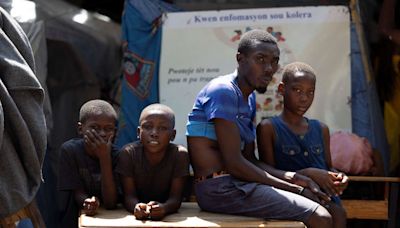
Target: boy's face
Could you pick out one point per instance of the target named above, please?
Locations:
(102, 124)
(156, 131)
(259, 65)
(298, 92)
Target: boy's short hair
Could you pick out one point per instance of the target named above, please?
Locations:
(161, 107)
(94, 107)
(290, 70)
(248, 39)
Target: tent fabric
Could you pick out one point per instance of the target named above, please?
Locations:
(77, 54)
(84, 56)
(367, 119)
(142, 41)
(84, 59)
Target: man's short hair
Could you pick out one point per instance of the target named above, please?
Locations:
(248, 40)
(94, 107)
(290, 70)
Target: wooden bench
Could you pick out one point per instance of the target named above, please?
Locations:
(383, 209)
(189, 215)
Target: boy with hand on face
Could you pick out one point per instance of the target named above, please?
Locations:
(86, 164)
(152, 170)
(292, 142)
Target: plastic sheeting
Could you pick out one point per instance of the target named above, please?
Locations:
(84, 58)
(78, 56)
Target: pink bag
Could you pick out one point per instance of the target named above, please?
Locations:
(350, 153)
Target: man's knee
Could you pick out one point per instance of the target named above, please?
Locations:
(320, 218)
(340, 212)
(339, 215)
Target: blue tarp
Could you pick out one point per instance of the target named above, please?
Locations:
(367, 117)
(141, 32)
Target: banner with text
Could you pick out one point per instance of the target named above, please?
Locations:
(199, 46)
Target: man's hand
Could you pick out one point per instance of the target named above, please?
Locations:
(310, 195)
(142, 211)
(90, 205)
(308, 183)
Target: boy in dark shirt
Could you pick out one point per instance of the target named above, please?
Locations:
(152, 170)
(292, 142)
(86, 164)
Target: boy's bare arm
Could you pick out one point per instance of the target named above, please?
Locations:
(327, 139)
(265, 145)
(80, 196)
(108, 186)
(173, 203)
(88, 204)
(130, 198)
(265, 142)
(175, 197)
(159, 210)
(102, 150)
(341, 178)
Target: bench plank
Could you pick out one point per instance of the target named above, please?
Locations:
(189, 215)
(386, 209)
(366, 209)
(374, 179)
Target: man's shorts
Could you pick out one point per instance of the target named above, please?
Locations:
(226, 194)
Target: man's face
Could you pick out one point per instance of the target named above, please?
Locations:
(259, 65)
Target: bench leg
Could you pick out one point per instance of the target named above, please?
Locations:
(393, 207)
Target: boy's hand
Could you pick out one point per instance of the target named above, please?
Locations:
(97, 145)
(90, 205)
(142, 211)
(342, 184)
(157, 210)
(331, 182)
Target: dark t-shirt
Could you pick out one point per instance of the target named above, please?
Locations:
(77, 170)
(152, 183)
